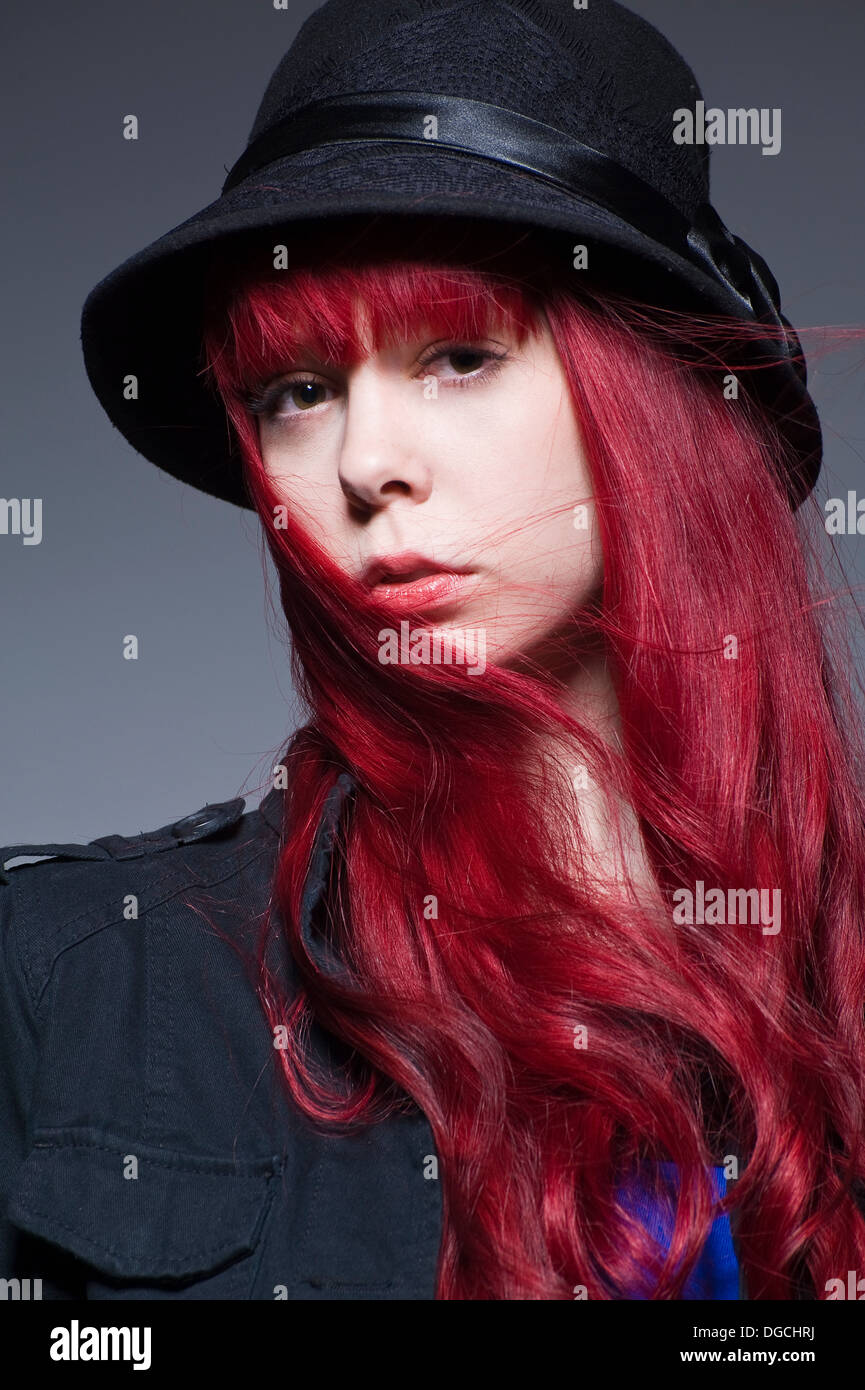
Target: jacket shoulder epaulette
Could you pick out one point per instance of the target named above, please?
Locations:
(75, 890)
(209, 820)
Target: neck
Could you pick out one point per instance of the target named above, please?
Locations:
(587, 692)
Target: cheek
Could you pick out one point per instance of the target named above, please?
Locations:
(567, 546)
(542, 462)
(315, 503)
(297, 479)
(289, 469)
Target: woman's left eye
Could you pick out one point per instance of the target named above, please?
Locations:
(467, 361)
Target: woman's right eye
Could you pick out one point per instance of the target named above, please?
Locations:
(302, 392)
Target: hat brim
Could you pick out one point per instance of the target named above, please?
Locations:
(144, 319)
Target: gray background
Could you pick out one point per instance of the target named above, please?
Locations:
(94, 744)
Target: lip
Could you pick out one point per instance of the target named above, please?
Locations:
(429, 592)
(409, 581)
(404, 566)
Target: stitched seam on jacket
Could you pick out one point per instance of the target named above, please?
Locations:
(161, 996)
(261, 1235)
(209, 1251)
(269, 1166)
(188, 880)
(167, 873)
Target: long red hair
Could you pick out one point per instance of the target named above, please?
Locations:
(702, 1041)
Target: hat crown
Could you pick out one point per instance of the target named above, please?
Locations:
(505, 78)
(602, 75)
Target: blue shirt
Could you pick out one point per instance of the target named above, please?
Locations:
(716, 1274)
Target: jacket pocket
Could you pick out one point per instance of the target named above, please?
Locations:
(148, 1222)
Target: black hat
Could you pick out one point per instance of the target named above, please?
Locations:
(531, 112)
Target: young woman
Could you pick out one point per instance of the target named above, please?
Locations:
(540, 972)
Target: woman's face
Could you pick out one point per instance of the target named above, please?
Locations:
(465, 457)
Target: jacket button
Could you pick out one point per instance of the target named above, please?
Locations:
(198, 821)
(208, 819)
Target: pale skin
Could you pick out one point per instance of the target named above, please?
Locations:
(469, 454)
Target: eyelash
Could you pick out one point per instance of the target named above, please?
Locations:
(262, 402)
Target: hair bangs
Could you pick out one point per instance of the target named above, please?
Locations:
(342, 314)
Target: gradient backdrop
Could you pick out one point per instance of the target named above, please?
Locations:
(94, 744)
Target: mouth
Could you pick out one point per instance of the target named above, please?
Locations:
(411, 581)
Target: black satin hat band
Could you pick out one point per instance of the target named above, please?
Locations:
(510, 138)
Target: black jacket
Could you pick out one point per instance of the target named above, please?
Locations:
(147, 1148)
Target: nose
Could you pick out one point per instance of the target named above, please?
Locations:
(382, 449)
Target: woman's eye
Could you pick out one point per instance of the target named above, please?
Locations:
(467, 363)
(305, 394)
(278, 400)
(466, 360)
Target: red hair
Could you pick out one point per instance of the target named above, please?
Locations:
(703, 1040)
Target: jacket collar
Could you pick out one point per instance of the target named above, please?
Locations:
(272, 808)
